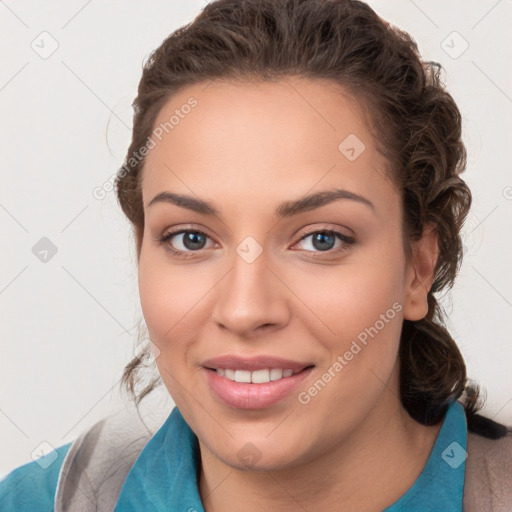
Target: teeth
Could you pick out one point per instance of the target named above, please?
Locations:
(276, 374)
(242, 376)
(257, 376)
(260, 376)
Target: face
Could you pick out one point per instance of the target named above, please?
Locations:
(266, 271)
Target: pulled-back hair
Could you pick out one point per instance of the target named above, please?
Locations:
(414, 120)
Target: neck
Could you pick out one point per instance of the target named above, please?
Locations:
(366, 472)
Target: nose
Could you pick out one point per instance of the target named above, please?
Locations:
(251, 298)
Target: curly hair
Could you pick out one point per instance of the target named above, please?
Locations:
(414, 120)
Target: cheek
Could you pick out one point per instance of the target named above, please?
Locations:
(172, 301)
(360, 308)
(167, 299)
(351, 297)
(157, 297)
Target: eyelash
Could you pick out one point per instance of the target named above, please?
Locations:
(347, 242)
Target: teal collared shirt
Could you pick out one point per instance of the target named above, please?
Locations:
(440, 486)
(164, 476)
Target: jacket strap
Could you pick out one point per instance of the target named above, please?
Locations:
(99, 460)
(488, 477)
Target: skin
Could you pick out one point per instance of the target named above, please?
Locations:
(246, 148)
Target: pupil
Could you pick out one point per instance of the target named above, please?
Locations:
(190, 241)
(320, 239)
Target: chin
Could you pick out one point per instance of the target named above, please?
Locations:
(260, 453)
(250, 458)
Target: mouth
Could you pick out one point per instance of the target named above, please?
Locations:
(256, 376)
(254, 383)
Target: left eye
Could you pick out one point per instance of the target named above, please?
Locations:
(324, 241)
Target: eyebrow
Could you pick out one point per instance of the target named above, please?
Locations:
(285, 209)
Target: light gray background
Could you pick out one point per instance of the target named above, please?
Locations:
(68, 325)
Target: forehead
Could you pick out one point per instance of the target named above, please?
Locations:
(273, 139)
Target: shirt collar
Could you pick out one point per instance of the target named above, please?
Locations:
(440, 485)
(166, 471)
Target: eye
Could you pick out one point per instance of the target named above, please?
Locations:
(325, 241)
(184, 241)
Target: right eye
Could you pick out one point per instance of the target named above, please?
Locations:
(186, 240)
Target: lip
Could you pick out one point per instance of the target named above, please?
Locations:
(254, 363)
(253, 396)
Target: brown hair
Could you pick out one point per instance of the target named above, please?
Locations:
(416, 124)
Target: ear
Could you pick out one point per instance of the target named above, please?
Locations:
(420, 274)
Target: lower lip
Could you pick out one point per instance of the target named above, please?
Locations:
(253, 396)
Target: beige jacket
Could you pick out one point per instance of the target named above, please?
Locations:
(488, 480)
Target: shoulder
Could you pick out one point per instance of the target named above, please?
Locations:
(100, 459)
(489, 452)
(32, 486)
(488, 481)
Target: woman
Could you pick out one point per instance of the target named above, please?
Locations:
(293, 185)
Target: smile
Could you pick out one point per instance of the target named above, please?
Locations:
(253, 383)
(257, 376)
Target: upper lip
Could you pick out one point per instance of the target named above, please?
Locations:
(254, 363)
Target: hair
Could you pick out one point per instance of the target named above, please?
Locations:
(414, 120)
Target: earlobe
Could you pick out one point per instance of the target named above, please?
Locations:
(420, 274)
